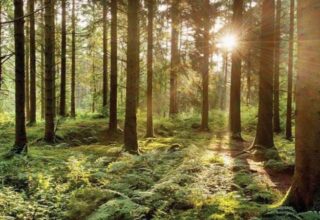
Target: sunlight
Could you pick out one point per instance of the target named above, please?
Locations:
(228, 42)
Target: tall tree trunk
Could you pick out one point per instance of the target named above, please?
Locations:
(42, 63)
(20, 127)
(27, 68)
(33, 98)
(73, 62)
(276, 106)
(151, 9)
(235, 90)
(290, 74)
(1, 80)
(205, 66)
(264, 135)
(113, 121)
(62, 108)
(49, 71)
(175, 60)
(130, 128)
(305, 193)
(105, 56)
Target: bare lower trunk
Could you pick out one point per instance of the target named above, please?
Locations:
(105, 56)
(73, 62)
(33, 97)
(62, 108)
(305, 194)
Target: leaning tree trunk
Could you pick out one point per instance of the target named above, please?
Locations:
(235, 89)
(62, 109)
(33, 98)
(130, 128)
(105, 56)
(175, 60)
(305, 193)
(49, 71)
(276, 106)
(73, 62)
(113, 121)
(20, 127)
(150, 69)
(290, 74)
(264, 135)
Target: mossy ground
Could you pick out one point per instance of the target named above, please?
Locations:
(180, 174)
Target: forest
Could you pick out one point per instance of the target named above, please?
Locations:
(159, 109)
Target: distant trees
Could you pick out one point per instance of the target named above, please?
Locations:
(20, 128)
(49, 71)
(113, 120)
(264, 134)
(304, 192)
(235, 90)
(130, 127)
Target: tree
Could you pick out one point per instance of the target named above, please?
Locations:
(276, 106)
(105, 56)
(264, 134)
(130, 128)
(113, 121)
(62, 108)
(32, 38)
(73, 61)
(150, 5)
(49, 71)
(304, 192)
(0, 45)
(175, 59)
(290, 74)
(235, 90)
(20, 127)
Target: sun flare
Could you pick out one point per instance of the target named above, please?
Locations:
(228, 42)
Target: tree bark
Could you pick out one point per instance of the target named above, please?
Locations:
(151, 9)
(264, 135)
(276, 106)
(49, 71)
(27, 69)
(235, 90)
(20, 127)
(1, 80)
(175, 60)
(73, 62)
(33, 94)
(130, 129)
(113, 121)
(105, 56)
(304, 193)
(42, 64)
(205, 66)
(62, 109)
(290, 74)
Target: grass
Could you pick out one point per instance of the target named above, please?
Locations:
(175, 177)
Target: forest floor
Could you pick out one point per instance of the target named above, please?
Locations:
(182, 173)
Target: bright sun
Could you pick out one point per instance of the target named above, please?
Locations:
(228, 42)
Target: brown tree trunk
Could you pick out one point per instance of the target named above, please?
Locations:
(205, 66)
(62, 109)
(105, 57)
(235, 90)
(49, 71)
(151, 9)
(33, 98)
(276, 106)
(42, 64)
(290, 74)
(0, 45)
(113, 121)
(27, 69)
(20, 127)
(304, 193)
(130, 128)
(73, 62)
(264, 135)
(175, 60)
